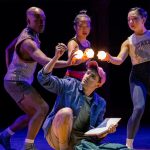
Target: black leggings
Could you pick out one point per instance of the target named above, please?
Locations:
(139, 88)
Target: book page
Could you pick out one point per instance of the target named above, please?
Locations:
(113, 121)
(96, 131)
(103, 127)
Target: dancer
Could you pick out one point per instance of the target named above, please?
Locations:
(82, 27)
(19, 77)
(137, 46)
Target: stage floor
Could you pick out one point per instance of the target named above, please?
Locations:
(142, 141)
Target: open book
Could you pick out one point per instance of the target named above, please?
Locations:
(103, 127)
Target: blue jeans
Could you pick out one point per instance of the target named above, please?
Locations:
(139, 88)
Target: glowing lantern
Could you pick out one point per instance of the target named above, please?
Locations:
(101, 55)
(78, 54)
(89, 53)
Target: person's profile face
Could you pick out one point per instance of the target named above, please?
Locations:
(37, 22)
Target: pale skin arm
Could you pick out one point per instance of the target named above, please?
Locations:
(124, 51)
(73, 46)
(37, 55)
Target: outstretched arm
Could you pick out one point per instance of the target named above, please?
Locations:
(124, 51)
(36, 54)
(9, 52)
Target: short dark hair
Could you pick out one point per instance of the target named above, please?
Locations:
(142, 12)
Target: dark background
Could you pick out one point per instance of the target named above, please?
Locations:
(109, 30)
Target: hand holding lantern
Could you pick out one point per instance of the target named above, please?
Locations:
(78, 54)
(104, 56)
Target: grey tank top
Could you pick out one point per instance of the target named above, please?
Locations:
(139, 50)
(20, 70)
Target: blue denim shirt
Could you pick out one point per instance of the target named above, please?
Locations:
(70, 94)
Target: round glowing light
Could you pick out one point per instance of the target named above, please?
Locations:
(78, 54)
(89, 53)
(101, 55)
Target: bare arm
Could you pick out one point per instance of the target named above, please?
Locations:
(60, 49)
(37, 55)
(47, 80)
(72, 47)
(9, 52)
(124, 51)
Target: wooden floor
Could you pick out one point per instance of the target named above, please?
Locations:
(142, 141)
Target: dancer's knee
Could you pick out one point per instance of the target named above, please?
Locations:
(65, 113)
